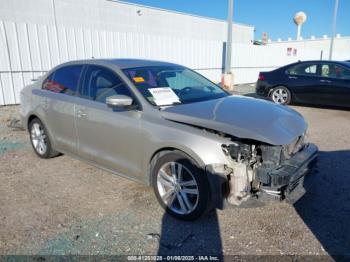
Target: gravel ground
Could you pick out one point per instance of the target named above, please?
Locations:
(63, 206)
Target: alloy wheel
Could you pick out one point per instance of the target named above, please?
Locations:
(279, 96)
(177, 188)
(38, 138)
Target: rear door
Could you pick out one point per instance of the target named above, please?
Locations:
(335, 84)
(61, 89)
(303, 80)
(106, 136)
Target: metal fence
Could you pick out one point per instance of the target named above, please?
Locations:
(29, 50)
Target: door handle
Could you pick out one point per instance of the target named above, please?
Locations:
(292, 77)
(325, 81)
(81, 113)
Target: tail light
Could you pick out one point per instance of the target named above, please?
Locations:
(261, 77)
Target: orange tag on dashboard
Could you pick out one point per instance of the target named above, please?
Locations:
(139, 79)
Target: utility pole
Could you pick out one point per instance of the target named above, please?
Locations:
(227, 77)
(56, 28)
(229, 37)
(334, 28)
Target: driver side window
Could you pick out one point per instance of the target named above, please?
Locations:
(180, 81)
(101, 83)
(335, 71)
(342, 72)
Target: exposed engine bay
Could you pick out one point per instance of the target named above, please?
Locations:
(259, 168)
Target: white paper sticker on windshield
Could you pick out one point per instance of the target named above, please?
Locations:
(164, 96)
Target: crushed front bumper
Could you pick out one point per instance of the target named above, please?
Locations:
(283, 182)
(287, 181)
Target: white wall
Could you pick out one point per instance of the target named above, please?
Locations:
(28, 50)
(341, 46)
(249, 60)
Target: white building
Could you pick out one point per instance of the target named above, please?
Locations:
(106, 15)
(36, 35)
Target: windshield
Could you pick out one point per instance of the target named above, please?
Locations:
(169, 85)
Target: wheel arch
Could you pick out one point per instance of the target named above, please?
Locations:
(164, 150)
(30, 119)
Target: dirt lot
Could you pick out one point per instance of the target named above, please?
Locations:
(63, 206)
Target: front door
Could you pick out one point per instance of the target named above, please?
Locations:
(335, 84)
(109, 137)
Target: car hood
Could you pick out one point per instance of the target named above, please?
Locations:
(242, 117)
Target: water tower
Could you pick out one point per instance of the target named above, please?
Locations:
(299, 19)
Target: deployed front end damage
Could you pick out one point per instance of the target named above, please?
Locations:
(264, 145)
(259, 171)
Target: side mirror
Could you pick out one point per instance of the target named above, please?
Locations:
(120, 101)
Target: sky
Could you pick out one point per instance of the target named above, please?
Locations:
(272, 16)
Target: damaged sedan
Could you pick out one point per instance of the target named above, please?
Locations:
(169, 127)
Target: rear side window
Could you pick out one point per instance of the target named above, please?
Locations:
(101, 83)
(64, 80)
(311, 69)
(303, 69)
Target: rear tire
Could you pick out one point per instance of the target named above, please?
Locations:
(180, 186)
(40, 140)
(281, 95)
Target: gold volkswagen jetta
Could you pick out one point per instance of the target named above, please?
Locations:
(167, 126)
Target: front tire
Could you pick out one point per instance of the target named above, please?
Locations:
(281, 95)
(40, 140)
(180, 186)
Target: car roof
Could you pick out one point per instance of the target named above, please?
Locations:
(345, 63)
(124, 63)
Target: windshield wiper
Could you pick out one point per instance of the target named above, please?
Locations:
(172, 104)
